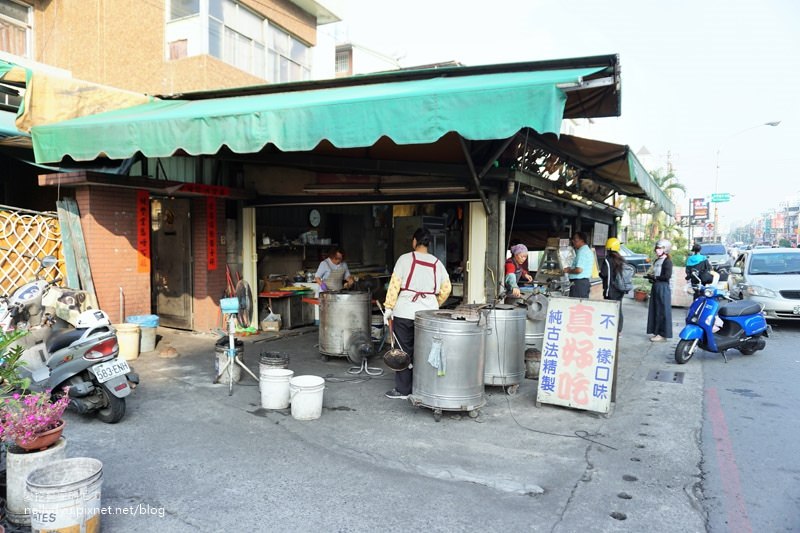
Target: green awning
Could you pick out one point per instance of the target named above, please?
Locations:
(480, 107)
(9, 134)
(7, 126)
(642, 178)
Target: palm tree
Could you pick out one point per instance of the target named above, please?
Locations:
(637, 209)
(667, 182)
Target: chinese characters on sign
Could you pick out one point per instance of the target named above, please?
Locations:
(578, 351)
(699, 210)
(211, 232)
(143, 231)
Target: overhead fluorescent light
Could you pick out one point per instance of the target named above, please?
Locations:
(537, 197)
(340, 188)
(407, 188)
(385, 188)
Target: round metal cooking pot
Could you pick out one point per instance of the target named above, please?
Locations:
(463, 352)
(505, 346)
(534, 329)
(342, 315)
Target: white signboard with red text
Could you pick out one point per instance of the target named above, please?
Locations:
(578, 353)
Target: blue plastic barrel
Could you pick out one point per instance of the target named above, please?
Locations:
(144, 321)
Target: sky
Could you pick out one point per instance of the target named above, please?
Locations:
(700, 78)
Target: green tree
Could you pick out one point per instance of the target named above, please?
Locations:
(659, 224)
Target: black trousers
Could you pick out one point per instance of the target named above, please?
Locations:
(404, 331)
(580, 288)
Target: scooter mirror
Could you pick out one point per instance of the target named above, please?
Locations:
(49, 261)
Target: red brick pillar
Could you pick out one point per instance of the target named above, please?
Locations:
(209, 285)
(108, 220)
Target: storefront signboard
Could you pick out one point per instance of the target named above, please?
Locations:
(579, 353)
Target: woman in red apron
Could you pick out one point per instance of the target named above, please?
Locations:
(419, 282)
(517, 270)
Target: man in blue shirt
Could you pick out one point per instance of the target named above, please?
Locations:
(581, 269)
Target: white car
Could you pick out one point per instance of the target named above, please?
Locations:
(771, 277)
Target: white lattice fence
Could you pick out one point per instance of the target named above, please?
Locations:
(26, 237)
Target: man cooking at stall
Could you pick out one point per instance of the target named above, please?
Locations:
(333, 273)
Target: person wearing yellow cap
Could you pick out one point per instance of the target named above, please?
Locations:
(608, 271)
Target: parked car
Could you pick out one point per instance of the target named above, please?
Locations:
(639, 261)
(771, 277)
(718, 257)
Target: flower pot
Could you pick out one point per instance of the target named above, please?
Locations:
(43, 440)
(640, 296)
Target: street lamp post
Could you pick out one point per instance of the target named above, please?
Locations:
(716, 178)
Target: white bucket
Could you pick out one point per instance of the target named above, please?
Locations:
(18, 466)
(65, 495)
(128, 339)
(376, 328)
(233, 369)
(275, 387)
(306, 397)
(148, 340)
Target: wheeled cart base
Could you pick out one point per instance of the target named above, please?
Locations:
(471, 410)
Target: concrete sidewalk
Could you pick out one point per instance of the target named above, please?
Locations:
(634, 470)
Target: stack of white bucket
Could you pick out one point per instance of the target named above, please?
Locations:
(147, 328)
(65, 495)
(279, 388)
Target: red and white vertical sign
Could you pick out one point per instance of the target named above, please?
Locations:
(143, 231)
(578, 352)
(211, 232)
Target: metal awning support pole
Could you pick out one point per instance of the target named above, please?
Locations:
(475, 178)
(497, 153)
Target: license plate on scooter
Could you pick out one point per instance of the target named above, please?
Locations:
(110, 369)
(796, 310)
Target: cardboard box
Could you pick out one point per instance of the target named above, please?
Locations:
(270, 325)
(274, 284)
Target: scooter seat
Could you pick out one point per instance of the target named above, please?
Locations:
(739, 309)
(62, 339)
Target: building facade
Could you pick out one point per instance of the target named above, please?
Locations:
(167, 46)
(159, 47)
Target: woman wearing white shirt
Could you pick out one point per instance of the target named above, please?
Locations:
(419, 282)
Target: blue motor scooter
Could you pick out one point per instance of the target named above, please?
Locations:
(718, 326)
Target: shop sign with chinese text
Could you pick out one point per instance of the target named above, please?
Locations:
(578, 353)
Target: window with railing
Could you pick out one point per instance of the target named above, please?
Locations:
(343, 62)
(231, 32)
(15, 28)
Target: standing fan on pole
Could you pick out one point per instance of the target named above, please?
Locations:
(237, 309)
(245, 297)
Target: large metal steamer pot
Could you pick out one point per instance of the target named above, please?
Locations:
(534, 334)
(463, 350)
(342, 316)
(505, 347)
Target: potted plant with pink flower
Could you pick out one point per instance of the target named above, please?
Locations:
(32, 421)
(25, 417)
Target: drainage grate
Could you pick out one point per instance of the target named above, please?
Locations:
(665, 376)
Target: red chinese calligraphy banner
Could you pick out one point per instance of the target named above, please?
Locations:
(211, 232)
(578, 353)
(143, 231)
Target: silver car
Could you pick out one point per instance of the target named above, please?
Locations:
(771, 277)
